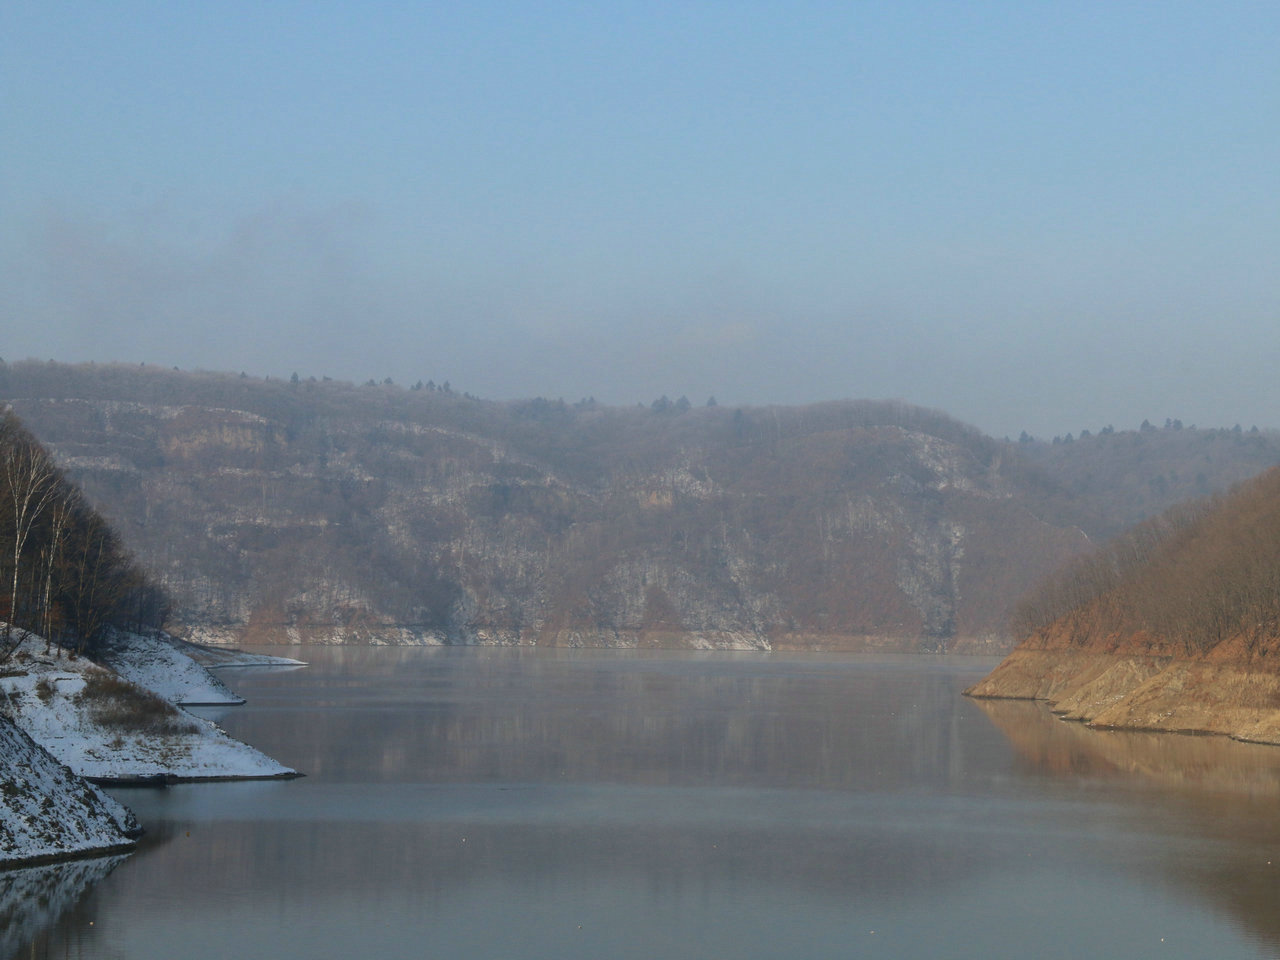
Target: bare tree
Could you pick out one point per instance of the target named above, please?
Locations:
(31, 481)
(60, 518)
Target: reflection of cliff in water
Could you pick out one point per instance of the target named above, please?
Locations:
(429, 864)
(1228, 789)
(33, 899)
(533, 717)
(676, 805)
(772, 769)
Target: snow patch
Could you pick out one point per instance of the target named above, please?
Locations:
(162, 666)
(43, 694)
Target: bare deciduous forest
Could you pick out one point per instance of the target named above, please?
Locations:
(310, 509)
(1194, 577)
(66, 575)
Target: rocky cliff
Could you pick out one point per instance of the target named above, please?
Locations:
(320, 511)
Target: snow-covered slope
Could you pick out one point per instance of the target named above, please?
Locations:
(48, 812)
(215, 657)
(160, 665)
(62, 720)
(107, 728)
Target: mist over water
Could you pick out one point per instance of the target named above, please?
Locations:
(497, 802)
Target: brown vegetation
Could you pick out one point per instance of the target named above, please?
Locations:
(1189, 580)
(320, 509)
(316, 509)
(115, 703)
(1173, 626)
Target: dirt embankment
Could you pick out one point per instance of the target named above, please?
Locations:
(1138, 683)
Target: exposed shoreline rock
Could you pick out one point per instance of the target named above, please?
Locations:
(1237, 698)
(1173, 626)
(91, 853)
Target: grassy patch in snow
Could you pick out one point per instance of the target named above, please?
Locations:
(45, 690)
(119, 705)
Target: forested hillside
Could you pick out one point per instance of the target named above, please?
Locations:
(307, 509)
(1173, 625)
(64, 573)
(1121, 477)
(1199, 575)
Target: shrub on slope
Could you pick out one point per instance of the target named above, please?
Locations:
(1191, 579)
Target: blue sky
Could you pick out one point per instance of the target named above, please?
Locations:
(1041, 216)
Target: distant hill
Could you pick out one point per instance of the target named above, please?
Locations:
(1175, 625)
(1123, 477)
(323, 511)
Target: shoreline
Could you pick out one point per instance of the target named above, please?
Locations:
(1157, 693)
(243, 638)
(73, 727)
(159, 781)
(47, 859)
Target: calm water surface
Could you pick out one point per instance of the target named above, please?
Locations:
(488, 803)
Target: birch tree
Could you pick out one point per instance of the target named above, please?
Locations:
(31, 482)
(60, 517)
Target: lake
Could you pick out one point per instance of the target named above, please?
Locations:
(521, 803)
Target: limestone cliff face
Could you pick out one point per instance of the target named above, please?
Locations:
(326, 512)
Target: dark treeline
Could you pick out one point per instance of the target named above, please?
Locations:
(1198, 575)
(63, 571)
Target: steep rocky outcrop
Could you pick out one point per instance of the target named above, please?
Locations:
(321, 511)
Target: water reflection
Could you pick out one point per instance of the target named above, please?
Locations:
(1201, 765)
(33, 899)
(510, 715)
(1219, 790)
(497, 803)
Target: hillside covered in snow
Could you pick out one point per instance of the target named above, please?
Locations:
(50, 813)
(107, 727)
(66, 721)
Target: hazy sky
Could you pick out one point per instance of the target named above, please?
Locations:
(1032, 215)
